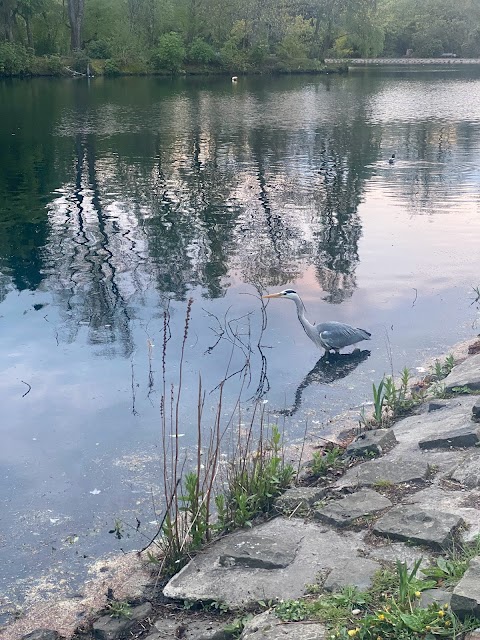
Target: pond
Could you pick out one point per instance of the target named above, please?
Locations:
(122, 199)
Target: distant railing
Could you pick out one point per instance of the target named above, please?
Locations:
(360, 62)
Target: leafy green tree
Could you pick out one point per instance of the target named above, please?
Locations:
(201, 52)
(170, 52)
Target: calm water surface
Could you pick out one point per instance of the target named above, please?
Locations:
(122, 198)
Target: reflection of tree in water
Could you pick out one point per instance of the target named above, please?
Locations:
(344, 156)
(88, 257)
(429, 174)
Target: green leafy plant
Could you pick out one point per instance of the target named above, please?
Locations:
(119, 609)
(201, 52)
(378, 401)
(325, 461)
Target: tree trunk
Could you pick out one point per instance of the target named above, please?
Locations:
(75, 17)
(28, 28)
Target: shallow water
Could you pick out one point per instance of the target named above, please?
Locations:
(122, 198)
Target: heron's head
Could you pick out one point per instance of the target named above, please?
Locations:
(287, 293)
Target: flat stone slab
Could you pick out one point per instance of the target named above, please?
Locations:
(359, 574)
(465, 374)
(372, 442)
(422, 526)
(267, 626)
(465, 504)
(383, 472)
(476, 411)
(356, 505)
(299, 499)
(466, 595)
(42, 634)
(110, 628)
(259, 552)
(434, 596)
(166, 629)
(467, 436)
(468, 472)
(314, 548)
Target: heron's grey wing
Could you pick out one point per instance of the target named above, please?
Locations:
(336, 335)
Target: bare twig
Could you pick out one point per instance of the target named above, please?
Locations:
(28, 390)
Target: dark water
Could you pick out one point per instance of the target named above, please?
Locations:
(122, 198)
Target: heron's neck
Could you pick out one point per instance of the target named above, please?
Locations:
(301, 312)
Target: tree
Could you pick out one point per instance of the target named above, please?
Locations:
(76, 10)
(170, 52)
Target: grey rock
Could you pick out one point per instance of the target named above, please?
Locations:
(383, 471)
(466, 374)
(437, 405)
(422, 526)
(466, 595)
(356, 505)
(434, 596)
(464, 504)
(476, 411)
(42, 634)
(372, 442)
(467, 436)
(355, 574)
(190, 630)
(299, 499)
(468, 472)
(473, 635)
(267, 626)
(259, 552)
(109, 628)
(316, 548)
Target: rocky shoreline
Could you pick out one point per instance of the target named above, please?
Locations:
(409, 492)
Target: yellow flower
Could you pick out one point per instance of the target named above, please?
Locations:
(381, 616)
(417, 594)
(445, 606)
(441, 613)
(353, 632)
(447, 623)
(428, 627)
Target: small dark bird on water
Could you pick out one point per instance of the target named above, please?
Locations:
(392, 159)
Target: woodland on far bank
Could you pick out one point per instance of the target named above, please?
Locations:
(42, 37)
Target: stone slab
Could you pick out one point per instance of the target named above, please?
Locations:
(166, 629)
(267, 626)
(422, 526)
(372, 442)
(356, 574)
(110, 628)
(42, 634)
(467, 436)
(465, 504)
(259, 552)
(316, 548)
(434, 596)
(466, 595)
(476, 411)
(473, 635)
(378, 472)
(356, 505)
(299, 499)
(465, 374)
(468, 472)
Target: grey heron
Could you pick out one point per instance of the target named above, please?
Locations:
(331, 336)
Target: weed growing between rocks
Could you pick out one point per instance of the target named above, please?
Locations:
(392, 400)
(389, 610)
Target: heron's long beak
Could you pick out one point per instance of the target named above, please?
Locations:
(273, 295)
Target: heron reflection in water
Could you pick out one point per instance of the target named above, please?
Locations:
(329, 368)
